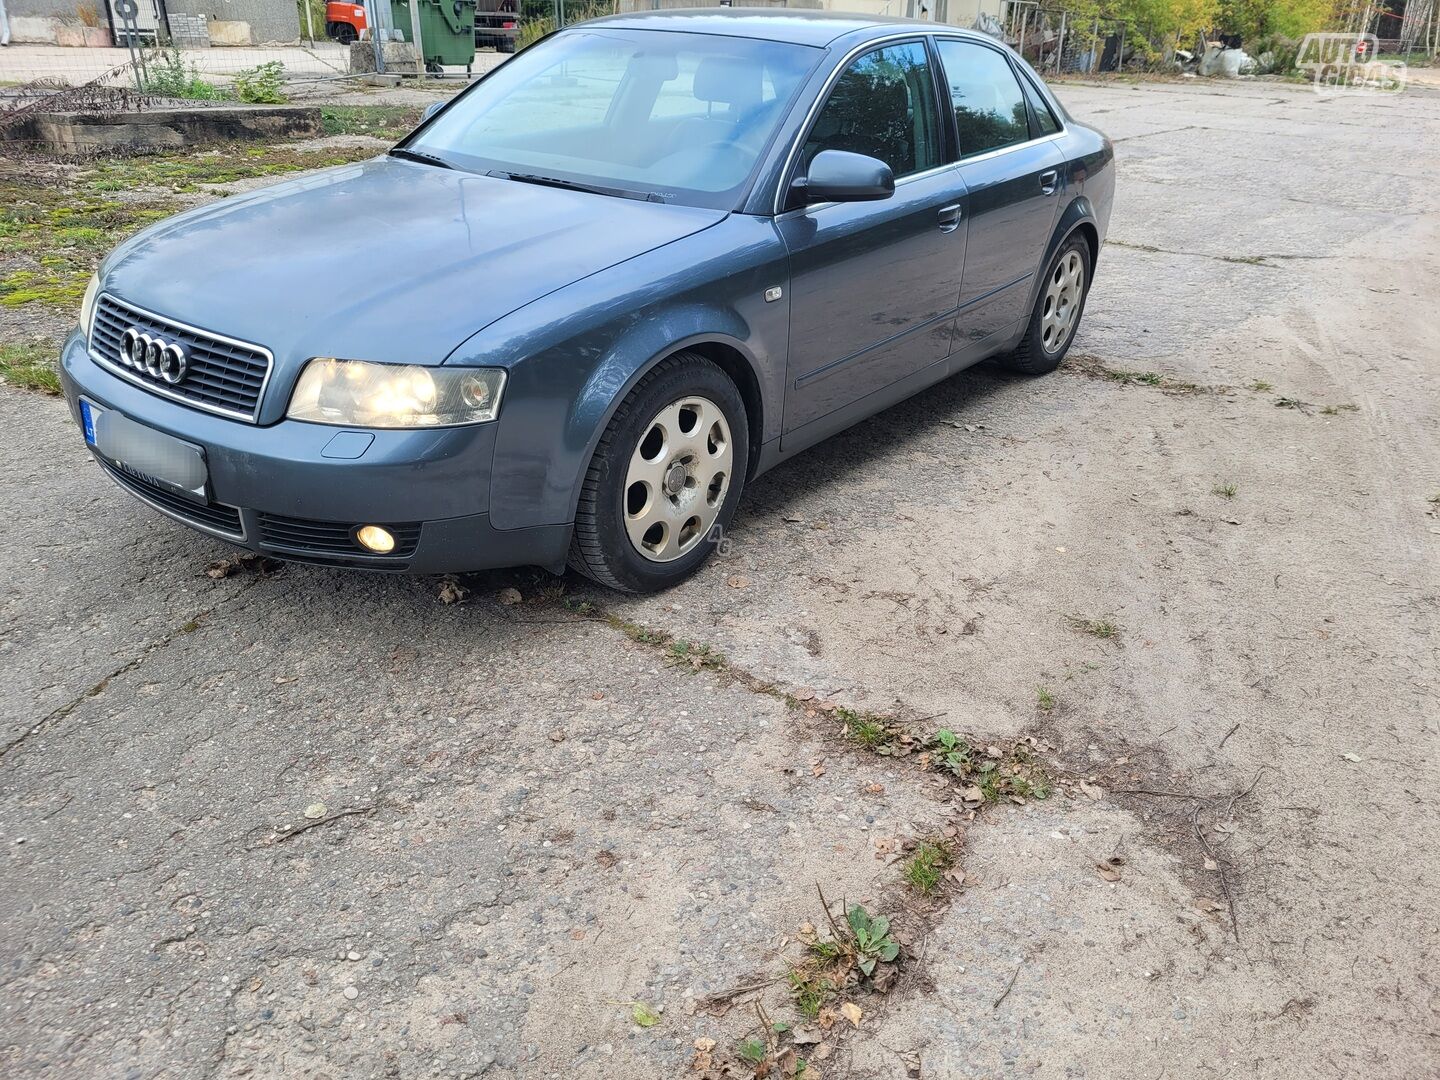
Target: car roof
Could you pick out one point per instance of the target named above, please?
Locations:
(795, 25)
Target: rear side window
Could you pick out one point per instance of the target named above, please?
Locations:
(883, 106)
(1048, 124)
(989, 104)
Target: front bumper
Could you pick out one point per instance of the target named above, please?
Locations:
(280, 489)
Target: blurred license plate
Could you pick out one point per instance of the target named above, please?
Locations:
(146, 454)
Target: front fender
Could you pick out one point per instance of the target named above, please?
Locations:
(573, 355)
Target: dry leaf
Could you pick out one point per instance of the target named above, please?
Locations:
(817, 768)
(509, 596)
(1211, 864)
(736, 581)
(821, 1052)
(1108, 872)
(1091, 791)
(826, 1019)
(805, 693)
(972, 797)
(851, 1012)
(1207, 905)
(884, 846)
(702, 1059)
(452, 592)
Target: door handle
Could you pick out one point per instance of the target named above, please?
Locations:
(950, 217)
(1049, 181)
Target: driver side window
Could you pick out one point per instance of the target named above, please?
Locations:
(883, 106)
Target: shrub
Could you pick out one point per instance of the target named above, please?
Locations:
(168, 76)
(261, 85)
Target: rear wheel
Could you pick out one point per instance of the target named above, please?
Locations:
(344, 33)
(665, 479)
(1057, 311)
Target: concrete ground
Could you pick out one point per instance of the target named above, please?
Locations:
(304, 823)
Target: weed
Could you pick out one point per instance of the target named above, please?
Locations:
(1260, 386)
(260, 85)
(698, 657)
(1289, 403)
(1044, 699)
(379, 120)
(1336, 410)
(867, 730)
(853, 953)
(810, 989)
(752, 1050)
(169, 77)
(1100, 628)
(1225, 491)
(29, 366)
(1095, 368)
(925, 869)
(993, 771)
(872, 939)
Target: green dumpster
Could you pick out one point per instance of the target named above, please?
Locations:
(447, 30)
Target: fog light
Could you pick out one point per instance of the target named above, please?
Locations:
(374, 538)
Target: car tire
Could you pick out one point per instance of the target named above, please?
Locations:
(345, 33)
(635, 483)
(1046, 341)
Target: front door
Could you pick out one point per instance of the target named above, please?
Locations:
(1012, 174)
(873, 285)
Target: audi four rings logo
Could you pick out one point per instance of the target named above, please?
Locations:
(153, 355)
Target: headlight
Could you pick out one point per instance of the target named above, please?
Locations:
(355, 393)
(87, 305)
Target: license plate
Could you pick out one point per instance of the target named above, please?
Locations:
(146, 454)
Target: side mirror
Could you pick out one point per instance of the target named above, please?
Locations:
(840, 176)
(432, 109)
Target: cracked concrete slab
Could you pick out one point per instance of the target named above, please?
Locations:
(318, 824)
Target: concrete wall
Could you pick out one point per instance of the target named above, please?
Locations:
(244, 22)
(230, 22)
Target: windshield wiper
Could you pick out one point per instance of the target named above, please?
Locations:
(576, 185)
(420, 156)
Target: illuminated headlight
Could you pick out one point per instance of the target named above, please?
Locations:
(356, 393)
(87, 305)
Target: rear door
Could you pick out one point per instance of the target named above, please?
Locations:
(1013, 174)
(873, 284)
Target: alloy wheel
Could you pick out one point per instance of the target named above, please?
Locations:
(1063, 294)
(677, 479)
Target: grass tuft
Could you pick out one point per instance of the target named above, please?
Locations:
(29, 366)
(925, 869)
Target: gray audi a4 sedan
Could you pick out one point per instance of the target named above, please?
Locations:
(570, 316)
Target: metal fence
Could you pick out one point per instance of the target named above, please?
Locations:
(1055, 40)
(142, 43)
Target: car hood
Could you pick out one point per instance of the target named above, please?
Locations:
(383, 260)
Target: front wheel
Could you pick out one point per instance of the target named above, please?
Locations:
(665, 479)
(1057, 311)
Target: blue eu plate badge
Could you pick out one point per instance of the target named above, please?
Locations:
(88, 413)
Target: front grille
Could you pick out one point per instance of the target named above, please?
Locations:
(224, 376)
(216, 517)
(331, 537)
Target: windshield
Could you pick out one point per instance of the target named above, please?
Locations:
(674, 116)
